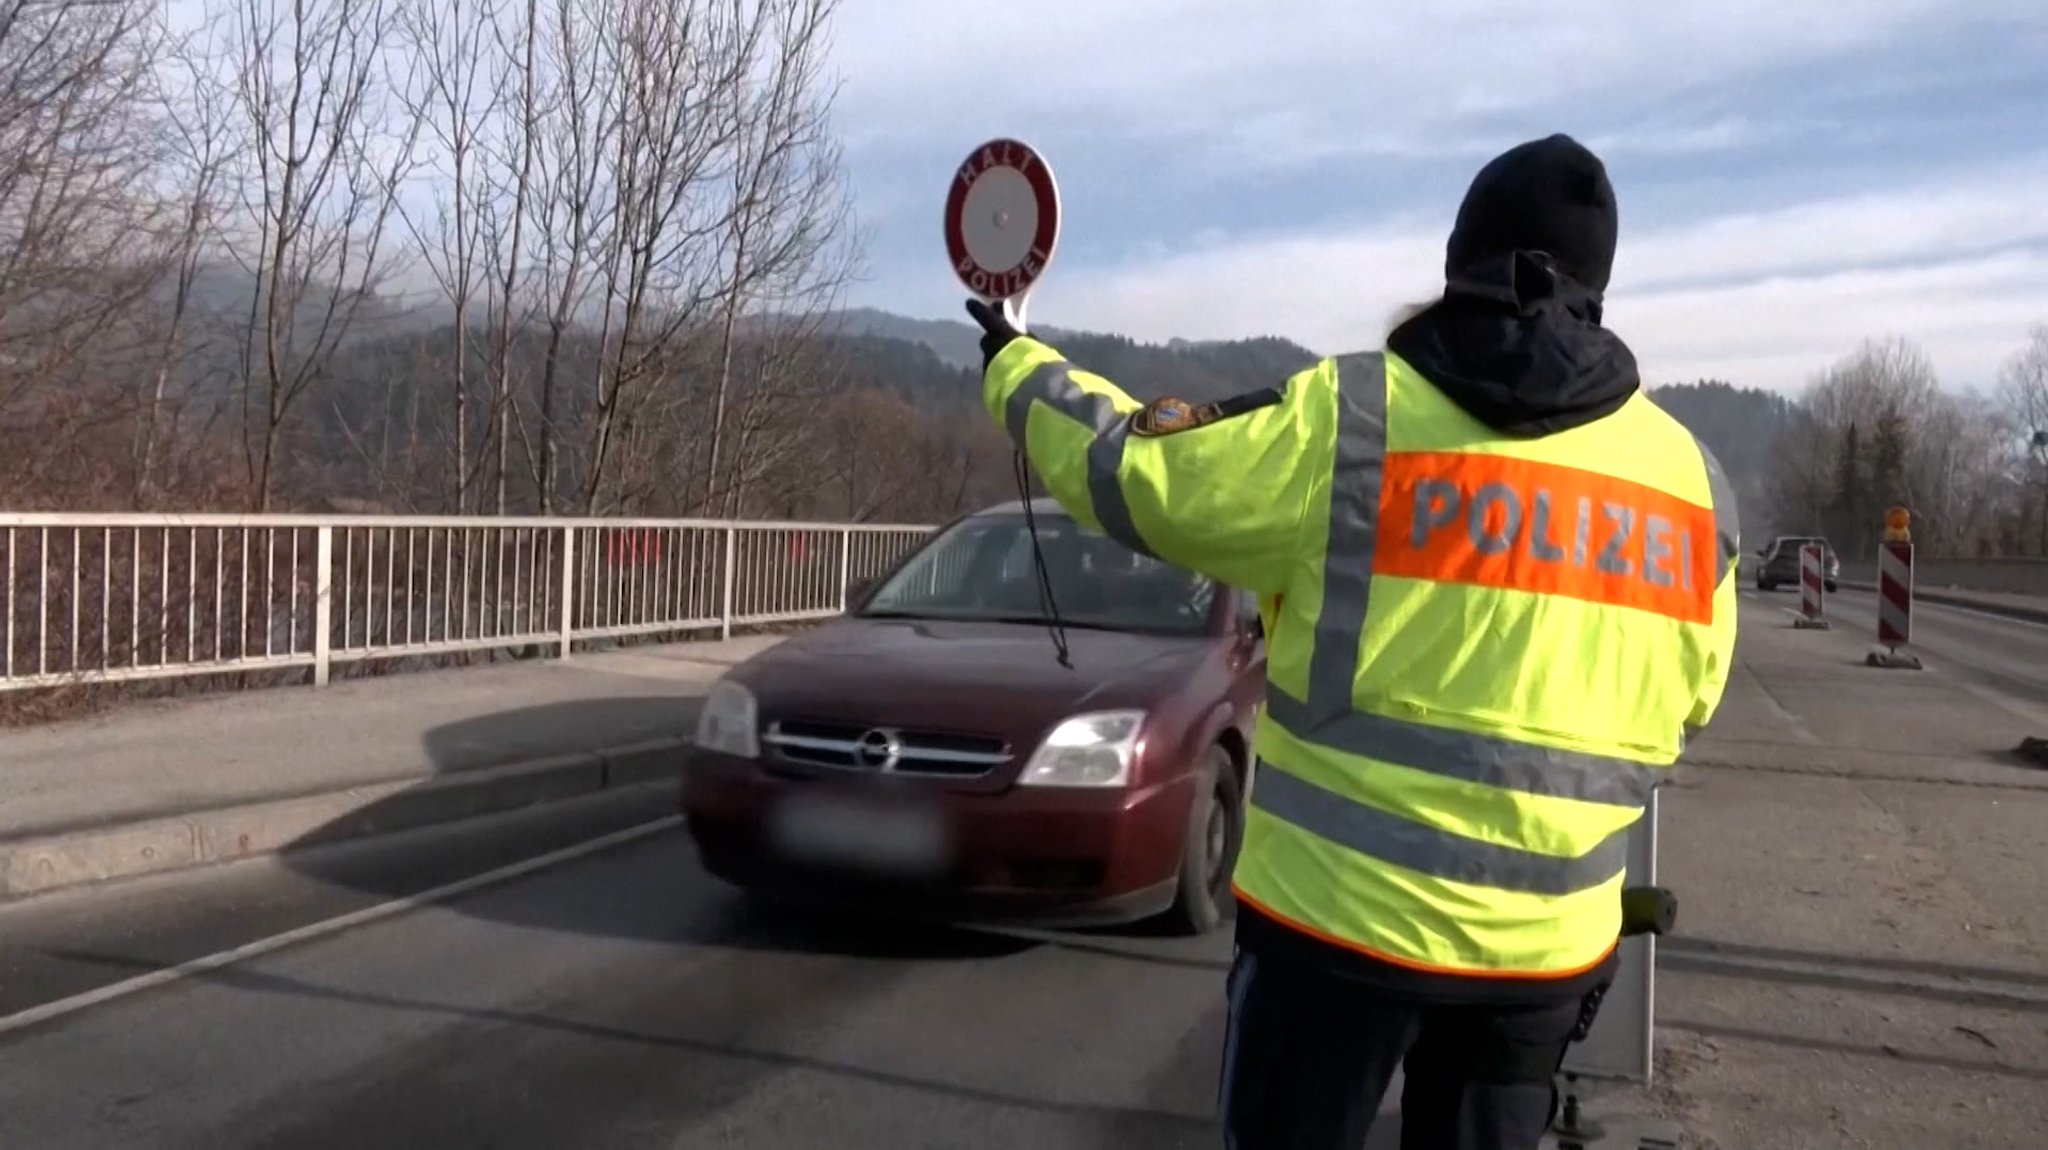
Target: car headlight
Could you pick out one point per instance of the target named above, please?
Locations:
(1093, 750)
(729, 724)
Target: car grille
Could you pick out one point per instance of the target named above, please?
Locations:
(856, 748)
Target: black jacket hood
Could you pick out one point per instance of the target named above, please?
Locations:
(1518, 345)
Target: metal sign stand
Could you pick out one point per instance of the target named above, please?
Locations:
(1620, 1047)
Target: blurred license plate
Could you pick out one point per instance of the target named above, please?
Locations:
(861, 835)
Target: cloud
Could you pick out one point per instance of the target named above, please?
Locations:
(1763, 298)
(1378, 75)
(1794, 177)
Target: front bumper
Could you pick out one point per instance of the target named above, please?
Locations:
(1048, 856)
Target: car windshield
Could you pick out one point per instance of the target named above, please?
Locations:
(981, 569)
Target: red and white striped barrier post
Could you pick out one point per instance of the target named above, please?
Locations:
(1895, 594)
(1813, 588)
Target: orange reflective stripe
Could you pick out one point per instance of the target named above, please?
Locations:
(1520, 525)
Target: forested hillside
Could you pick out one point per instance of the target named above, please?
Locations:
(1742, 426)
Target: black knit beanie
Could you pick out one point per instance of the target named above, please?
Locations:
(1549, 195)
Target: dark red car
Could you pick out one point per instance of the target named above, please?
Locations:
(928, 754)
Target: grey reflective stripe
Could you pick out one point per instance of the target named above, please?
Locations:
(1425, 850)
(1727, 521)
(1106, 488)
(1474, 758)
(1053, 385)
(1361, 450)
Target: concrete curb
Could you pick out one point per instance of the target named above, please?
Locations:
(1947, 599)
(38, 865)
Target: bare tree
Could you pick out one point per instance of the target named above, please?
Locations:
(455, 97)
(2023, 393)
(567, 149)
(505, 217)
(1964, 474)
(787, 236)
(202, 145)
(1946, 455)
(1892, 374)
(329, 149)
(670, 65)
(80, 231)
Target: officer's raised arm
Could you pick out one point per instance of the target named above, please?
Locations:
(1218, 487)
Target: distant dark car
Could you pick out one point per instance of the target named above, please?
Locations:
(926, 754)
(1778, 562)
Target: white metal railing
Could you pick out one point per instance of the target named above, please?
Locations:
(111, 598)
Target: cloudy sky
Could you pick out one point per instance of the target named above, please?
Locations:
(1794, 176)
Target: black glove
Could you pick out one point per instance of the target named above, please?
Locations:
(996, 329)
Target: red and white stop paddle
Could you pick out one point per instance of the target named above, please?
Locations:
(1002, 223)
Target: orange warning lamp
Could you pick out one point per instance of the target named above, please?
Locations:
(1898, 525)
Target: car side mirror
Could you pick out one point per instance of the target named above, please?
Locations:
(857, 589)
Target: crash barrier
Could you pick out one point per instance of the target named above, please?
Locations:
(111, 598)
(1997, 576)
(1813, 588)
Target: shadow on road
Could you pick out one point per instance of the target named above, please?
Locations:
(1154, 1127)
(696, 909)
(578, 726)
(752, 972)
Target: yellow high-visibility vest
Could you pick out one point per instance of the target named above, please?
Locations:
(1483, 652)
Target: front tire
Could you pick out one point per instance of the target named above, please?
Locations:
(1209, 847)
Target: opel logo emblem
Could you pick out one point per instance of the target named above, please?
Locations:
(879, 749)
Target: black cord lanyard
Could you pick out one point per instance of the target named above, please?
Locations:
(1055, 626)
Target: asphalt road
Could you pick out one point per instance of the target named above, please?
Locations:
(1858, 966)
(621, 1000)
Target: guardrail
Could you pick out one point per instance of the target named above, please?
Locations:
(113, 598)
(2002, 576)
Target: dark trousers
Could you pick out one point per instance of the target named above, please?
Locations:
(1308, 1056)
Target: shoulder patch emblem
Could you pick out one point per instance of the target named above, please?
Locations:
(1168, 415)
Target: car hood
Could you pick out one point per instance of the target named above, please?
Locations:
(961, 675)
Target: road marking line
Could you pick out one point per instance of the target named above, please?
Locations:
(276, 942)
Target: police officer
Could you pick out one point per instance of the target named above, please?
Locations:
(1498, 583)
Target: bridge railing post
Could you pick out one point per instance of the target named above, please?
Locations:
(567, 625)
(323, 603)
(732, 539)
(845, 564)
